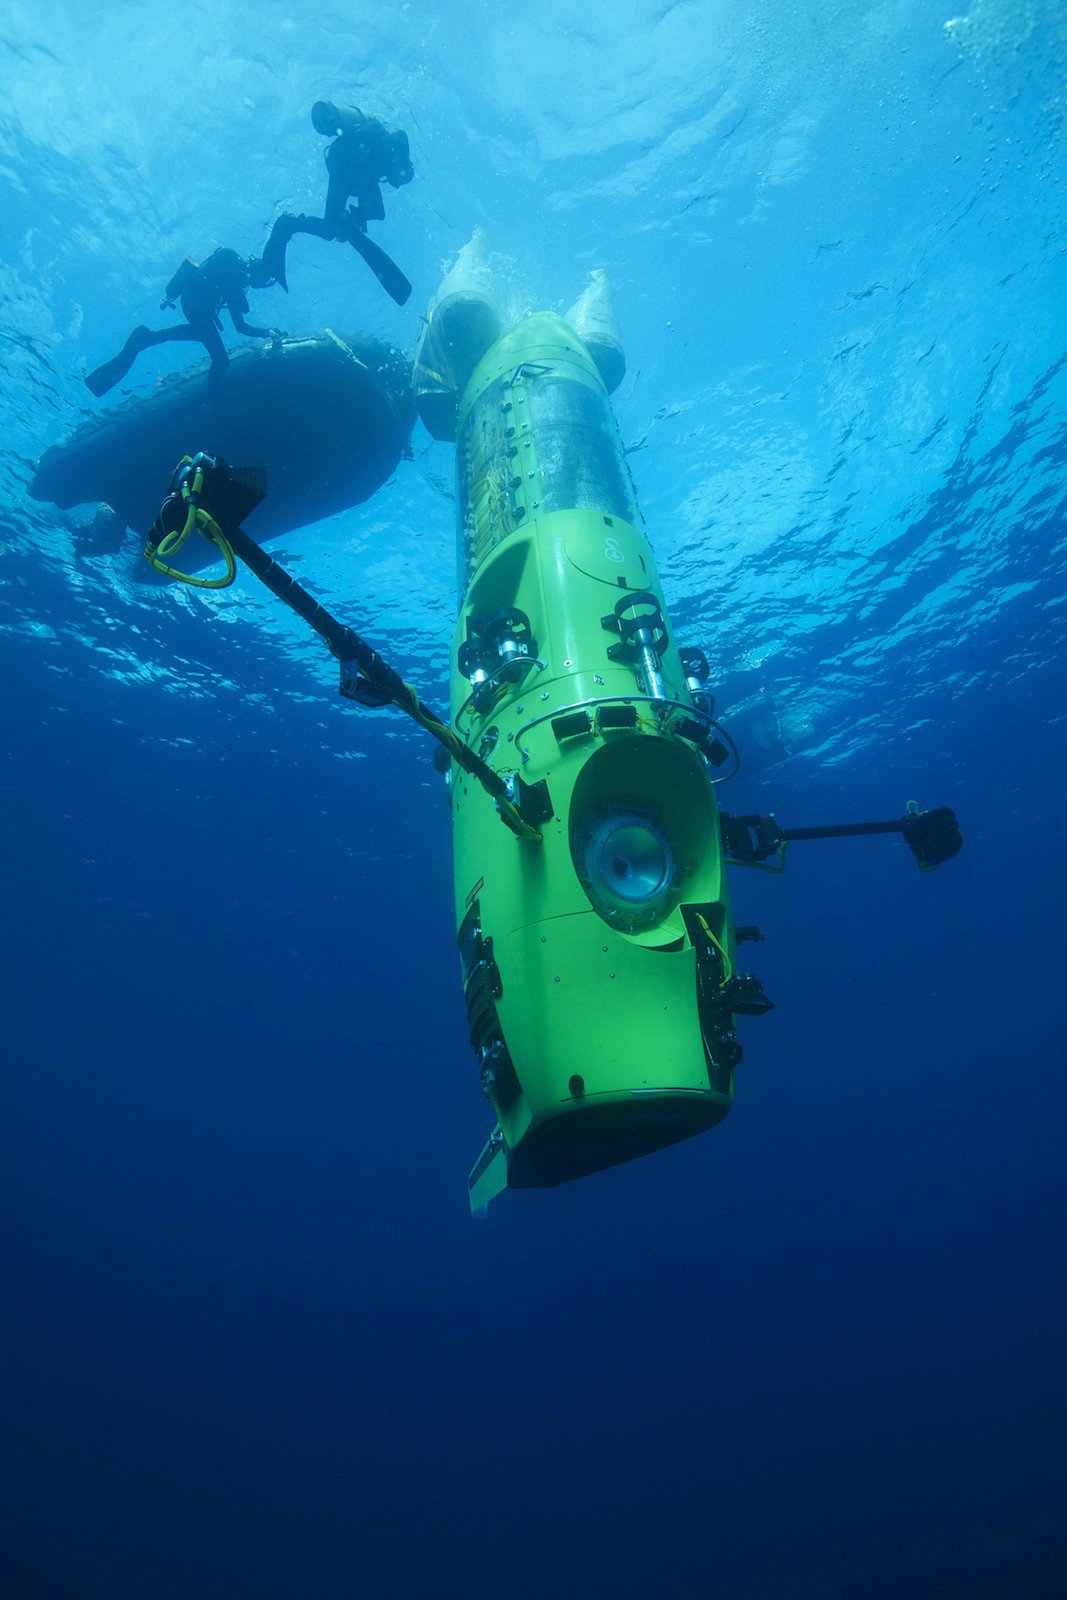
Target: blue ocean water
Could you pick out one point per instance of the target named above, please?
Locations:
(254, 1347)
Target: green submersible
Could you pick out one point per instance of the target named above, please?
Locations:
(598, 964)
(596, 937)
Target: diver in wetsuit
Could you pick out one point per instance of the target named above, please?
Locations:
(203, 291)
(363, 154)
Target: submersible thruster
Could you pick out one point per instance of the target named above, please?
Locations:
(598, 963)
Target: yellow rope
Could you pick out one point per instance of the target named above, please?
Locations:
(727, 964)
(438, 377)
(454, 744)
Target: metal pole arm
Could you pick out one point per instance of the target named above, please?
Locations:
(843, 830)
(932, 837)
(207, 492)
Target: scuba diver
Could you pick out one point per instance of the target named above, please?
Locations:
(203, 291)
(364, 153)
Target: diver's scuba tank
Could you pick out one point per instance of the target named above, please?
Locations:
(598, 964)
(183, 278)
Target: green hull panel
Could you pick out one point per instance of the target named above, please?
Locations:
(580, 966)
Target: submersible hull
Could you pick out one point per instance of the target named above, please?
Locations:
(594, 960)
(331, 414)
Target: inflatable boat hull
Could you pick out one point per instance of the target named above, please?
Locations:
(329, 416)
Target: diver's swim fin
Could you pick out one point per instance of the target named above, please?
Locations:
(111, 372)
(384, 267)
(275, 247)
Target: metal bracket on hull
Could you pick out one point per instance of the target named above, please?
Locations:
(709, 736)
(490, 679)
(722, 995)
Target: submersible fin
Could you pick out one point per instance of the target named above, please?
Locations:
(489, 1175)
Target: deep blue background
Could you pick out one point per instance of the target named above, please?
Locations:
(253, 1346)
